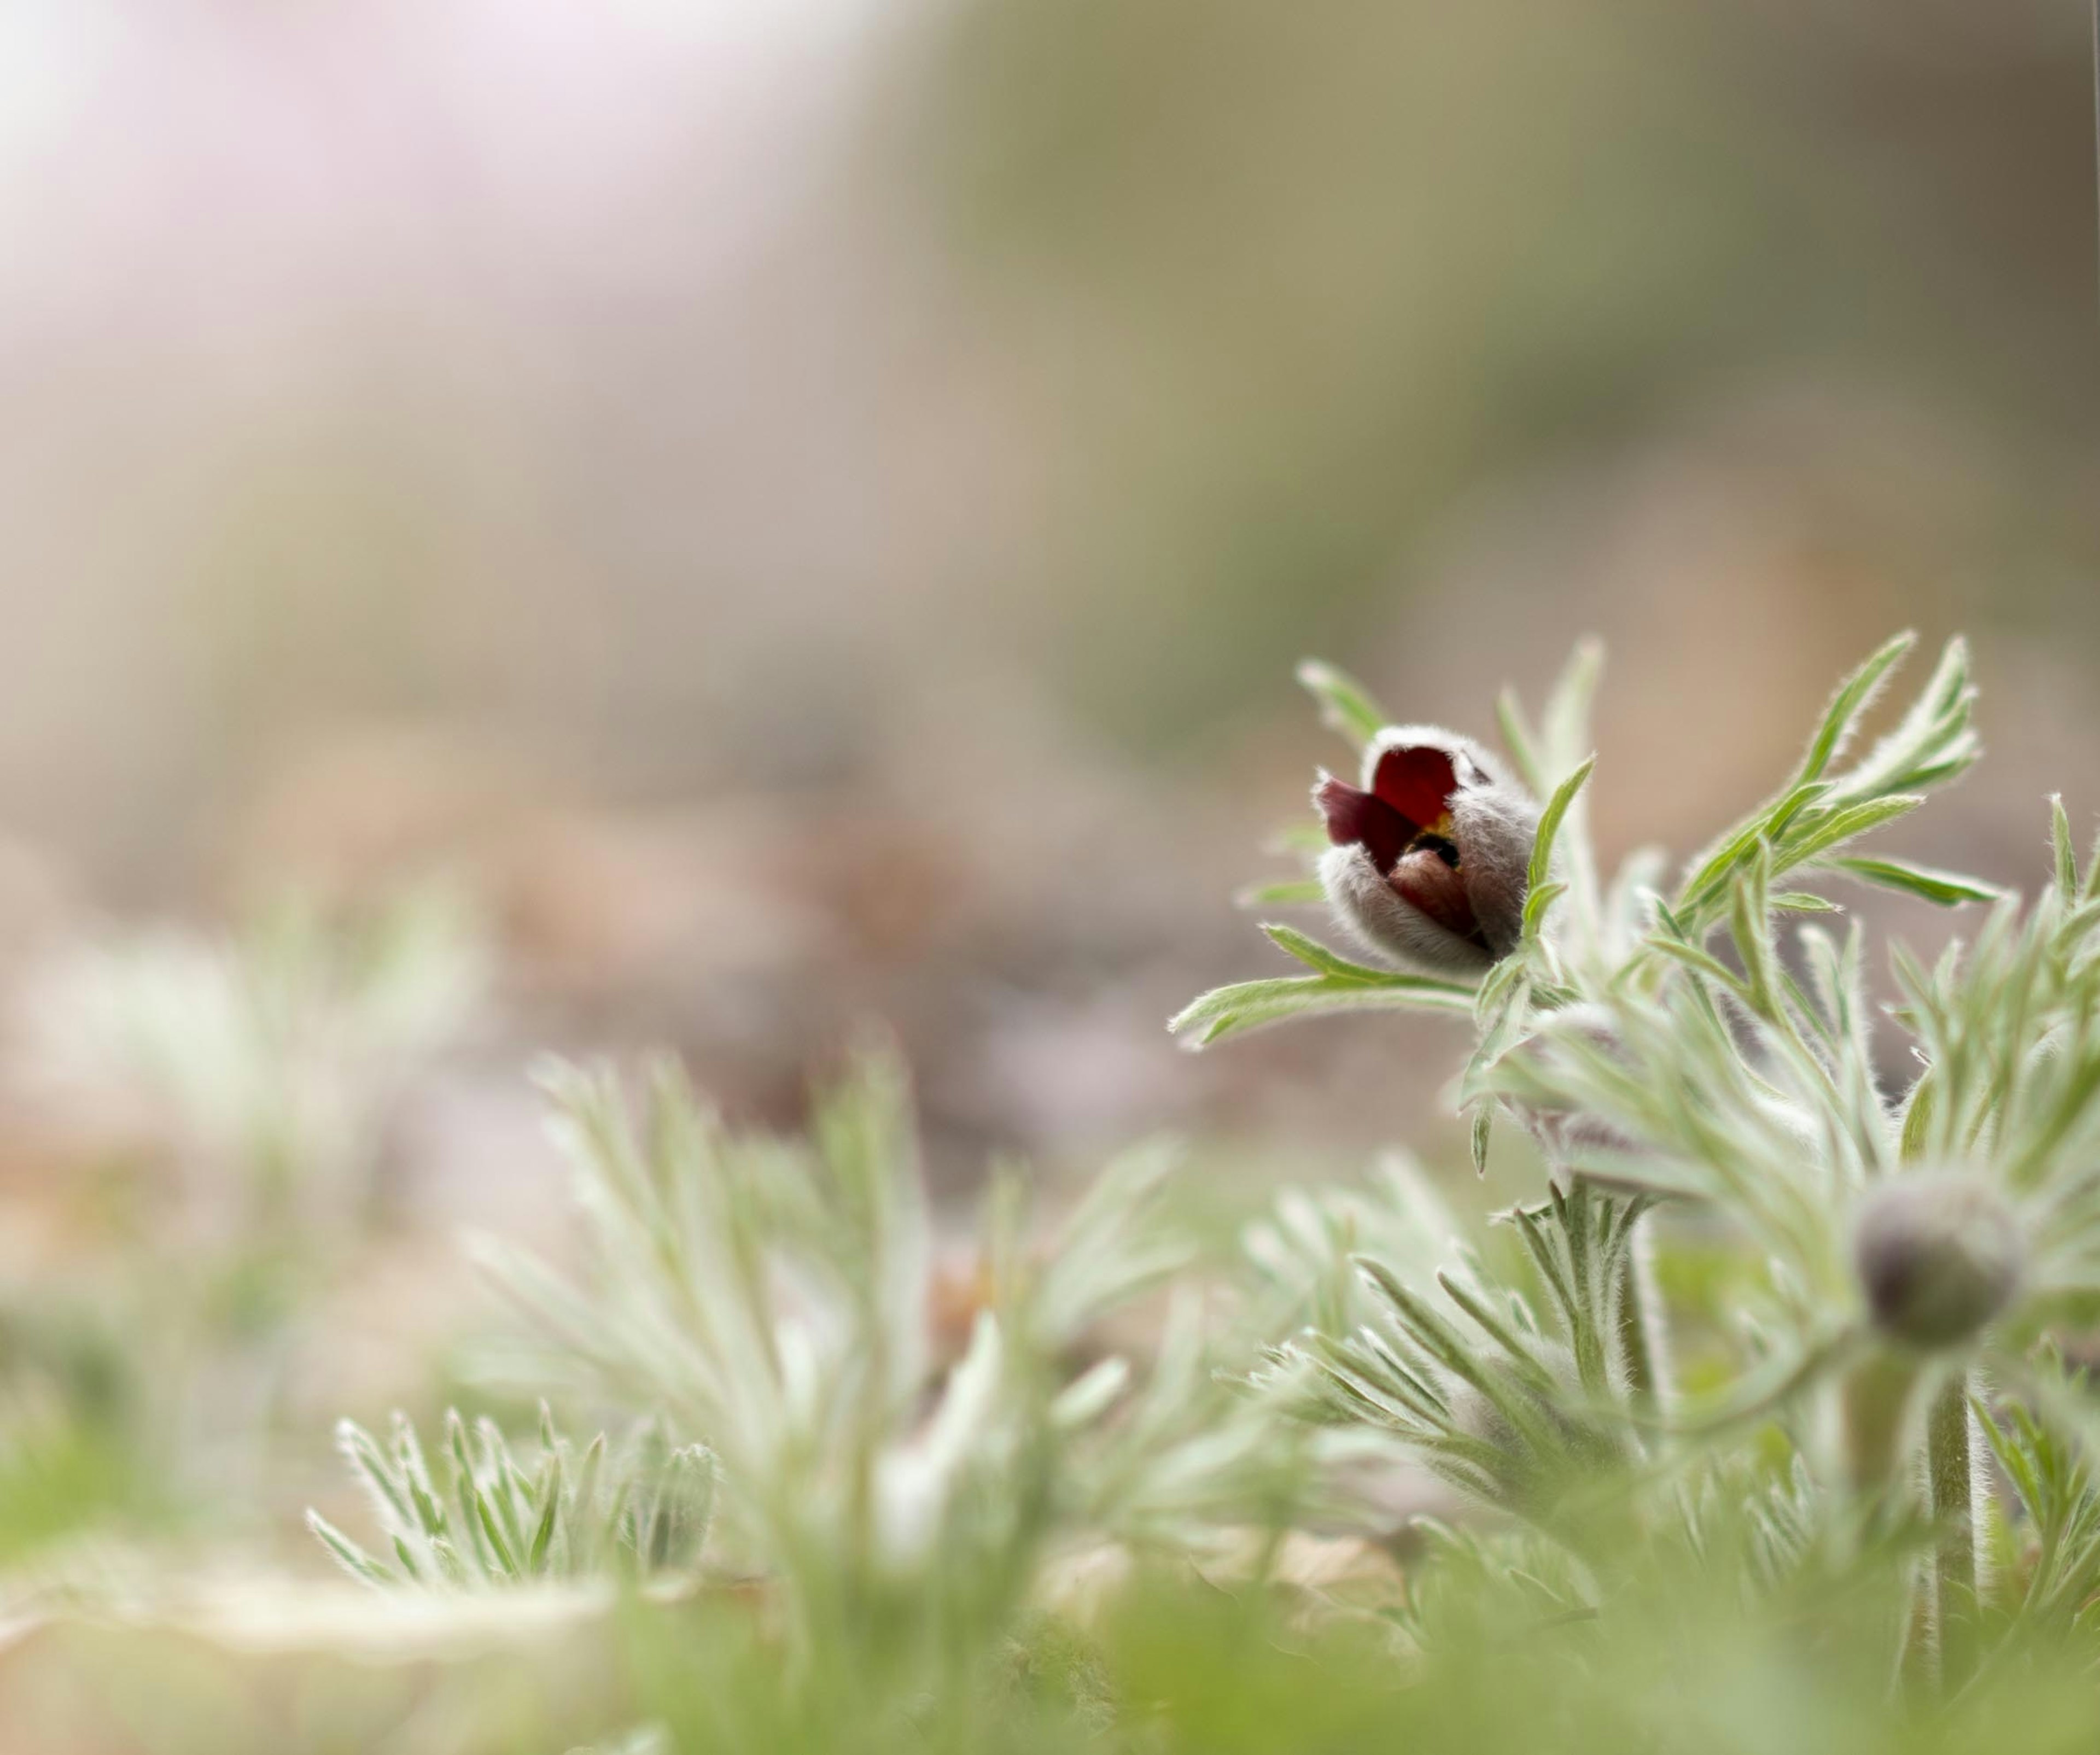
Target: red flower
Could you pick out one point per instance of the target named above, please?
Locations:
(1432, 853)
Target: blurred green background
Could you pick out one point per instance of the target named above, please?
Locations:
(709, 522)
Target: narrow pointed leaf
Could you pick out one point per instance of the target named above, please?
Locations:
(1345, 704)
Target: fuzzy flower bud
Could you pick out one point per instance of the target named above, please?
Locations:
(1564, 1132)
(1431, 854)
(1524, 1477)
(1939, 1254)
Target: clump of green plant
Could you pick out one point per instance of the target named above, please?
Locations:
(270, 1057)
(483, 1517)
(253, 1077)
(1900, 1257)
(911, 1433)
(1762, 1397)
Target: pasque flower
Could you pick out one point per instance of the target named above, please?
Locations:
(1939, 1254)
(1430, 854)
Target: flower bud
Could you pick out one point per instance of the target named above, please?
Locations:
(1564, 1132)
(1431, 854)
(1567, 1134)
(1524, 1477)
(1938, 1256)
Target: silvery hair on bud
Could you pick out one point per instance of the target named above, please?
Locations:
(1493, 825)
(1565, 1132)
(1387, 925)
(1494, 828)
(1939, 1254)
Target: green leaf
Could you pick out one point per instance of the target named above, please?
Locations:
(1345, 704)
(429, 1514)
(362, 1453)
(1565, 726)
(2066, 859)
(506, 1561)
(1844, 824)
(1316, 955)
(1692, 958)
(1917, 1118)
(1853, 698)
(1494, 995)
(1549, 824)
(352, 1558)
(1249, 1005)
(1749, 919)
(543, 1535)
(1536, 902)
(498, 1486)
(2078, 923)
(1947, 889)
(583, 1522)
(1804, 901)
(1483, 1121)
(1933, 743)
(1307, 838)
(1290, 892)
(1518, 1361)
(1766, 825)
(1517, 740)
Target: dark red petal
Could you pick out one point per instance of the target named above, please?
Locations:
(1357, 819)
(1424, 880)
(1417, 783)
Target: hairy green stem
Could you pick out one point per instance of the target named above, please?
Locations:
(1874, 1400)
(1644, 1332)
(1872, 1403)
(1951, 1585)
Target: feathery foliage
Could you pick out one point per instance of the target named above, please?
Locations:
(1754, 1403)
(484, 1518)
